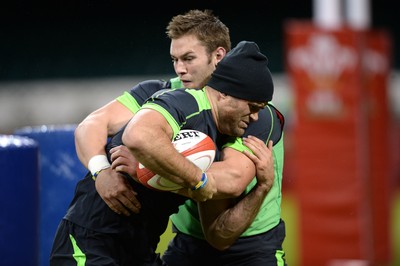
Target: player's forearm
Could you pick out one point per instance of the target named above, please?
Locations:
(92, 133)
(151, 146)
(232, 174)
(232, 222)
(231, 179)
(90, 139)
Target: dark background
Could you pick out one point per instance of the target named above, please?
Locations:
(97, 38)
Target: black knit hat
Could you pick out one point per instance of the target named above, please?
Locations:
(243, 73)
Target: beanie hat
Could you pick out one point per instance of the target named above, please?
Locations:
(243, 73)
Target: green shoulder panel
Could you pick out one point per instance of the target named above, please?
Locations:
(129, 102)
(201, 98)
(176, 83)
(171, 121)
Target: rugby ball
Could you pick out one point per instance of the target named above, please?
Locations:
(195, 145)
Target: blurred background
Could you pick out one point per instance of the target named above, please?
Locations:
(61, 60)
(50, 51)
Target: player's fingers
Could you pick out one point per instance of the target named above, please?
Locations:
(129, 199)
(118, 148)
(250, 155)
(249, 144)
(117, 207)
(120, 162)
(257, 148)
(260, 149)
(253, 141)
(118, 158)
(270, 144)
(131, 203)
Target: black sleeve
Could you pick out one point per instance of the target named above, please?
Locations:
(269, 125)
(115, 141)
(179, 103)
(141, 92)
(278, 124)
(145, 89)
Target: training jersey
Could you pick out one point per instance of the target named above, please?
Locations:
(187, 219)
(268, 126)
(87, 209)
(189, 110)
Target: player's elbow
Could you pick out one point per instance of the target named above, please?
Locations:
(220, 236)
(134, 141)
(235, 188)
(79, 129)
(218, 242)
(236, 191)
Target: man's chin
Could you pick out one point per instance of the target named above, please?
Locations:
(240, 132)
(188, 84)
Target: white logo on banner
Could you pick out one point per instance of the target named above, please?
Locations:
(375, 62)
(323, 57)
(324, 60)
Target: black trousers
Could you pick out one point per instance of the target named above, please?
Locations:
(263, 249)
(77, 246)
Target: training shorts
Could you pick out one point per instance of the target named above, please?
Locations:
(258, 250)
(78, 246)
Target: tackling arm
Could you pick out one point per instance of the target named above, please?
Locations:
(232, 173)
(223, 221)
(90, 139)
(92, 133)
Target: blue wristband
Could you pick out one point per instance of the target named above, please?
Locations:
(202, 182)
(94, 176)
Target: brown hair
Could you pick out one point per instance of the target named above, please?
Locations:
(204, 25)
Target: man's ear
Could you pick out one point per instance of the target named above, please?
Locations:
(222, 95)
(220, 53)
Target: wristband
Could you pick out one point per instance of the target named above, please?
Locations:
(202, 182)
(98, 163)
(94, 176)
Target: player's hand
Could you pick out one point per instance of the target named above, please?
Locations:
(123, 161)
(116, 192)
(206, 192)
(263, 160)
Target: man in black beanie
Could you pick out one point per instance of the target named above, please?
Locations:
(239, 88)
(233, 105)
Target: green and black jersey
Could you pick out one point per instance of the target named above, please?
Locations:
(190, 109)
(183, 109)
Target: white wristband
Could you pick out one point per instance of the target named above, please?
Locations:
(97, 163)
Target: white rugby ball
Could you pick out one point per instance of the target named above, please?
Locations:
(195, 145)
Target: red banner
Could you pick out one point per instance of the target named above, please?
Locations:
(376, 66)
(332, 139)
